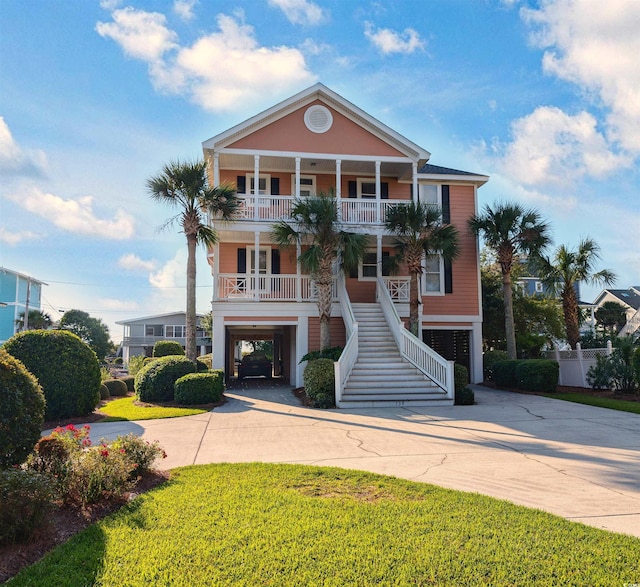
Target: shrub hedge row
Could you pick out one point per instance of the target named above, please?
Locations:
(199, 388)
(320, 384)
(527, 374)
(156, 380)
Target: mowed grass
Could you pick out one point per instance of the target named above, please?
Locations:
(601, 402)
(126, 409)
(291, 525)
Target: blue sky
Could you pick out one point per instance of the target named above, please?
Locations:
(95, 97)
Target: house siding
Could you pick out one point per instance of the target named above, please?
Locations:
(338, 333)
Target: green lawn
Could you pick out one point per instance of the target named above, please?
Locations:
(125, 409)
(601, 402)
(260, 524)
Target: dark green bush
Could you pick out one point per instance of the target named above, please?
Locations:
(21, 411)
(202, 366)
(165, 348)
(320, 384)
(129, 381)
(104, 392)
(489, 359)
(66, 368)
(25, 500)
(537, 375)
(199, 388)
(116, 387)
(504, 373)
(332, 353)
(155, 381)
(464, 395)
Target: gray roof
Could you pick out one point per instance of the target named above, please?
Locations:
(626, 296)
(437, 170)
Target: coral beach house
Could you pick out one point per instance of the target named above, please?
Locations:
(313, 142)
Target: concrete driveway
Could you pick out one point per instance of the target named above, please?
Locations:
(579, 462)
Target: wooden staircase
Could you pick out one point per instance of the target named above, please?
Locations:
(380, 376)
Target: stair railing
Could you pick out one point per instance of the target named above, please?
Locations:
(423, 357)
(632, 325)
(344, 365)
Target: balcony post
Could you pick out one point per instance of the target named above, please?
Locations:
(298, 274)
(378, 195)
(256, 266)
(297, 188)
(414, 176)
(339, 188)
(216, 170)
(256, 187)
(216, 271)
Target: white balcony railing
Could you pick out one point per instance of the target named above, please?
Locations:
(274, 288)
(433, 365)
(273, 208)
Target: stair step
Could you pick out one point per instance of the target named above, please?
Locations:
(389, 386)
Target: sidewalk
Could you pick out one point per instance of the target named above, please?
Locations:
(579, 462)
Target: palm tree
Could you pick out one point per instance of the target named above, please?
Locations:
(37, 320)
(184, 185)
(314, 224)
(563, 271)
(510, 230)
(418, 232)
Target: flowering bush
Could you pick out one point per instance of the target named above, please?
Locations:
(83, 473)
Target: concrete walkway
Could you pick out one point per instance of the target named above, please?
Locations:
(579, 462)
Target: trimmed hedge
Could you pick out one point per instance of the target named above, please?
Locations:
(537, 375)
(527, 374)
(320, 384)
(21, 411)
(332, 353)
(489, 359)
(504, 373)
(66, 368)
(129, 381)
(104, 392)
(199, 388)
(155, 381)
(116, 387)
(165, 348)
(464, 395)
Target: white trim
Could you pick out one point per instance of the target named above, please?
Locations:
(450, 318)
(296, 186)
(317, 156)
(318, 119)
(360, 181)
(423, 280)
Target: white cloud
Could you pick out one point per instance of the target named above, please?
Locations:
(301, 12)
(117, 304)
(142, 35)
(388, 41)
(172, 274)
(221, 71)
(550, 147)
(16, 161)
(184, 9)
(13, 238)
(597, 47)
(75, 216)
(132, 262)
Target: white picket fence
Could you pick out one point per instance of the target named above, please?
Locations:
(574, 364)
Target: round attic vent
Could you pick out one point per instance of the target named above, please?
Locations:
(318, 119)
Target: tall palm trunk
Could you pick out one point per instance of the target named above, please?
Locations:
(509, 323)
(570, 311)
(190, 334)
(414, 304)
(324, 283)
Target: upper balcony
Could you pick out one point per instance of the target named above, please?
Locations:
(266, 208)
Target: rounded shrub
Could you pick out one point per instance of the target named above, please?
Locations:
(489, 359)
(164, 348)
(104, 392)
(66, 368)
(320, 384)
(21, 411)
(504, 373)
(116, 387)
(199, 388)
(537, 375)
(464, 395)
(155, 381)
(129, 381)
(25, 500)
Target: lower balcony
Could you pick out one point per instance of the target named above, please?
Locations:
(288, 288)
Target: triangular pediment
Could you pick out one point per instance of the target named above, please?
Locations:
(317, 120)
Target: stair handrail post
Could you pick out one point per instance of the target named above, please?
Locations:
(344, 365)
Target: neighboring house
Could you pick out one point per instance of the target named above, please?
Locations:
(140, 334)
(19, 294)
(630, 299)
(314, 142)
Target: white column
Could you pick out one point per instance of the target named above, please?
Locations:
(256, 266)
(302, 347)
(256, 184)
(378, 195)
(414, 172)
(216, 271)
(298, 274)
(216, 170)
(476, 375)
(297, 189)
(379, 254)
(218, 342)
(339, 188)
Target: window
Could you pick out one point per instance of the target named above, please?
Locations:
(264, 260)
(153, 330)
(366, 188)
(175, 331)
(429, 194)
(264, 184)
(539, 288)
(370, 265)
(433, 274)
(307, 185)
